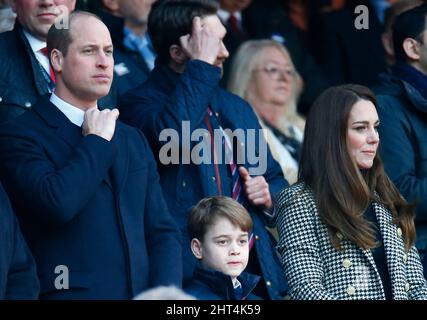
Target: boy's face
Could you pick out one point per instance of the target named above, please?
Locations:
(224, 248)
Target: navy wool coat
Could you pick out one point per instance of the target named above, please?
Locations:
(91, 205)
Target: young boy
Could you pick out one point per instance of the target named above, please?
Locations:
(219, 228)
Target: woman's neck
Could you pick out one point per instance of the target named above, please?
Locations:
(269, 112)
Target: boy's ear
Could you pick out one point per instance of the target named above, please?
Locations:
(196, 248)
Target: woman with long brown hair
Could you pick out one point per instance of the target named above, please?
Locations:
(345, 231)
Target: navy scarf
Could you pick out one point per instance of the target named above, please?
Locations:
(409, 74)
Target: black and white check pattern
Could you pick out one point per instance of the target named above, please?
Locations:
(316, 270)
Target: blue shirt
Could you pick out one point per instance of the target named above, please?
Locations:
(141, 44)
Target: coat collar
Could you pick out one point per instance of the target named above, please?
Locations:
(222, 285)
(54, 118)
(72, 135)
(391, 244)
(39, 80)
(392, 241)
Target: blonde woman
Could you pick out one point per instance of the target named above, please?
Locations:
(263, 73)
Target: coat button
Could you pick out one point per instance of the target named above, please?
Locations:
(213, 179)
(27, 104)
(346, 263)
(405, 258)
(268, 283)
(351, 290)
(184, 184)
(399, 232)
(1, 99)
(256, 237)
(407, 286)
(339, 235)
(216, 114)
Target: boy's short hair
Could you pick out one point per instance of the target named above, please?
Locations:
(206, 213)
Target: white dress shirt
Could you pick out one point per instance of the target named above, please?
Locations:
(225, 15)
(36, 46)
(74, 114)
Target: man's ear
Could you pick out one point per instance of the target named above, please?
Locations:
(177, 54)
(56, 60)
(411, 48)
(196, 248)
(111, 5)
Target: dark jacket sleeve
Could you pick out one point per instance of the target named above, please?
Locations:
(188, 101)
(399, 153)
(53, 194)
(21, 281)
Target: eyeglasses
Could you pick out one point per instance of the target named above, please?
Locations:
(275, 73)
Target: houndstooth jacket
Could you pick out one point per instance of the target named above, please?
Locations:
(316, 270)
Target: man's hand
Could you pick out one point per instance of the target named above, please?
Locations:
(202, 44)
(256, 189)
(101, 123)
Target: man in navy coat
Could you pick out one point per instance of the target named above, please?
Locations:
(182, 98)
(84, 187)
(18, 277)
(25, 74)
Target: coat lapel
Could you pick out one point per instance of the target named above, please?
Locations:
(118, 171)
(64, 128)
(391, 242)
(55, 119)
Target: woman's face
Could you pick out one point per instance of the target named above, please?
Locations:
(362, 133)
(272, 80)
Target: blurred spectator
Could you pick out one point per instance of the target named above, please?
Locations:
(133, 52)
(402, 100)
(164, 293)
(263, 74)
(340, 48)
(266, 19)
(390, 16)
(7, 16)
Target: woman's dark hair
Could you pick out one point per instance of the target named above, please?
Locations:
(171, 19)
(342, 191)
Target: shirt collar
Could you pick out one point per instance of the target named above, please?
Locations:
(74, 114)
(36, 44)
(236, 284)
(224, 15)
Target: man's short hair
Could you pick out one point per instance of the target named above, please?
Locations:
(409, 24)
(171, 19)
(60, 38)
(207, 212)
